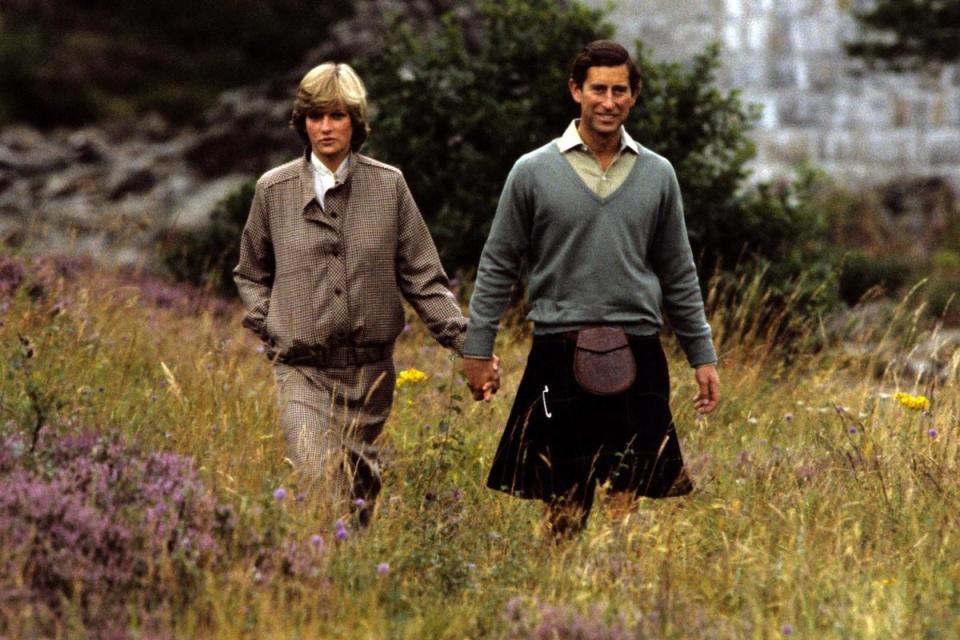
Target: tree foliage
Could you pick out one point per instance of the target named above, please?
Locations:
(908, 34)
(457, 107)
(78, 60)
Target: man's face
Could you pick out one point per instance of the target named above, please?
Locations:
(605, 99)
(330, 133)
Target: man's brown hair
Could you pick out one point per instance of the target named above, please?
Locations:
(604, 53)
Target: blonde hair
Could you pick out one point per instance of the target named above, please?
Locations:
(326, 87)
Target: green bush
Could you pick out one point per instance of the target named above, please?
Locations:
(457, 107)
(207, 257)
(862, 273)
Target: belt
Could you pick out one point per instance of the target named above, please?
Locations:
(339, 356)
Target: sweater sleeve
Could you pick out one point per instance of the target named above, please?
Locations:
(675, 268)
(500, 263)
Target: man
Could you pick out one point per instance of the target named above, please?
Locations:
(332, 241)
(599, 219)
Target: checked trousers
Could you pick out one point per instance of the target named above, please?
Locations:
(331, 419)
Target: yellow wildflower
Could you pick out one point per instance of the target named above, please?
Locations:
(916, 403)
(410, 376)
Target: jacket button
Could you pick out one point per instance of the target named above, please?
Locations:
(336, 253)
(337, 291)
(333, 214)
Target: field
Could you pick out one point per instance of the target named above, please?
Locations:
(825, 505)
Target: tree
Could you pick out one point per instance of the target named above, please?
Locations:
(909, 34)
(457, 107)
(74, 61)
(454, 105)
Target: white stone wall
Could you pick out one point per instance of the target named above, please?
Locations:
(818, 105)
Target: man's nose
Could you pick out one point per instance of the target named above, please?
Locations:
(608, 100)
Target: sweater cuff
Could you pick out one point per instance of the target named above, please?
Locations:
(479, 343)
(699, 350)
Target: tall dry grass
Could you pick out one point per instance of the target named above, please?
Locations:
(824, 507)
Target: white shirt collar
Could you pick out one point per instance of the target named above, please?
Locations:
(322, 169)
(324, 179)
(571, 139)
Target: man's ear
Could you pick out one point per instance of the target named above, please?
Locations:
(575, 91)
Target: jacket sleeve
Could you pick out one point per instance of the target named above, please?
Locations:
(421, 277)
(255, 270)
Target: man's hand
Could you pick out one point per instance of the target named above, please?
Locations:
(709, 394)
(483, 376)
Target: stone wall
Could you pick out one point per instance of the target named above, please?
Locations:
(818, 104)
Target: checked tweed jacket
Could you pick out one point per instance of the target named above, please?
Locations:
(314, 279)
(322, 287)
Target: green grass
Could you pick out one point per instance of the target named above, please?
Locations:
(838, 523)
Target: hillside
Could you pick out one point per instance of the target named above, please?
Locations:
(154, 500)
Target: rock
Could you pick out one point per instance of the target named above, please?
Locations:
(88, 145)
(245, 132)
(27, 152)
(136, 176)
(194, 211)
(934, 360)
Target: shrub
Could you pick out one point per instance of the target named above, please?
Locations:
(861, 273)
(483, 92)
(89, 520)
(457, 106)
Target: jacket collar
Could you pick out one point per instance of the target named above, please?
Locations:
(308, 192)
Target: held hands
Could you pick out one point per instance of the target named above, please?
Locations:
(483, 376)
(709, 389)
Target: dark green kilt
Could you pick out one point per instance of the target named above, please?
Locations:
(561, 442)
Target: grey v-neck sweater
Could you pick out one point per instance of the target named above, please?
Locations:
(592, 260)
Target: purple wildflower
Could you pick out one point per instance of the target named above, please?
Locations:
(852, 429)
(383, 568)
(316, 540)
(279, 494)
(341, 530)
(788, 417)
(98, 512)
(932, 433)
(787, 629)
(359, 503)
